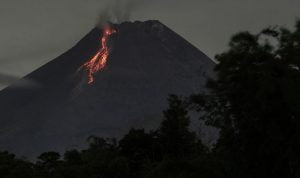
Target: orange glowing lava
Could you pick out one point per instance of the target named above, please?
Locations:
(98, 62)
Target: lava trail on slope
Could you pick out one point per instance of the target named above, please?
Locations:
(99, 61)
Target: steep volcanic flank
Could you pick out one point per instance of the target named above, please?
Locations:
(147, 62)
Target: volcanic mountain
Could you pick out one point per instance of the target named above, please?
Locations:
(147, 62)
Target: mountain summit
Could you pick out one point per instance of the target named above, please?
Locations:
(147, 62)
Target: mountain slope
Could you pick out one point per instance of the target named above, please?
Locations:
(148, 62)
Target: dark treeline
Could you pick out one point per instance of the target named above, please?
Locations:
(254, 101)
(170, 151)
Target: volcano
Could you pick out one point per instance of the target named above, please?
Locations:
(147, 62)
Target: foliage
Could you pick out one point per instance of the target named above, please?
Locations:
(138, 154)
(255, 101)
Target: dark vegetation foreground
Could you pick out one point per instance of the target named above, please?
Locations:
(254, 101)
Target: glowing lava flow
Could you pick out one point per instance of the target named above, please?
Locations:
(98, 62)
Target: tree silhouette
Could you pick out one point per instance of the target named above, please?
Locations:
(142, 150)
(178, 141)
(255, 101)
(11, 167)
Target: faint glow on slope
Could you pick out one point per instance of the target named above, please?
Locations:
(98, 62)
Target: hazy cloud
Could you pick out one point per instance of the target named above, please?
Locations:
(6, 79)
(118, 11)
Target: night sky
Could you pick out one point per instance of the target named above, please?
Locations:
(36, 31)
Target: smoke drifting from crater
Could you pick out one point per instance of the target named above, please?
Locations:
(117, 11)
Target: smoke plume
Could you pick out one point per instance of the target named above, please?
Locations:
(117, 11)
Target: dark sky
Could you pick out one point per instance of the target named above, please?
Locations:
(36, 31)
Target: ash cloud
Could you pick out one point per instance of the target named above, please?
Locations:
(117, 11)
